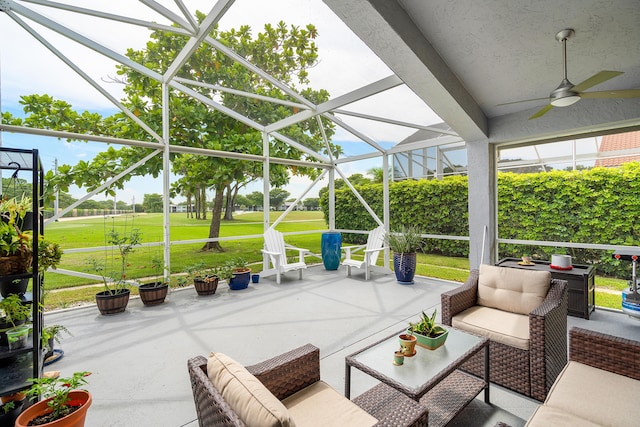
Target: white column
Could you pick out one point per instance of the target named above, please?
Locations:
(482, 202)
(266, 184)
(166, 175)
(385, 199)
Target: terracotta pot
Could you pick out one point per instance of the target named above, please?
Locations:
(408, 344)
(109, 303)
(152, 294)
(76, 419)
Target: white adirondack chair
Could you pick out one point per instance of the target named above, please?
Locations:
(375, 244)
(275, 248)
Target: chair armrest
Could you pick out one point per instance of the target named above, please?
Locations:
(293, 248)
(301, 252)
(459, 299)
(548, 339)
(289, 372)
(266, 252)
(375, 250)
(211, 407)
(349, 249)
(603, 351)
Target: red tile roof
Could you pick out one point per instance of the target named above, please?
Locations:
(616, 142)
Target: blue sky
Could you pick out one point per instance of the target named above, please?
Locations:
(345, 65)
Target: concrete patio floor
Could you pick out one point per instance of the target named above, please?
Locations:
(138, 358)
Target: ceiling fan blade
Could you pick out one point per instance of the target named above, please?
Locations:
(596, 79)
(544, 110)
(523, 100)
(629, 93)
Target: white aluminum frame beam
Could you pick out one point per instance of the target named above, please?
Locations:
(112, 17)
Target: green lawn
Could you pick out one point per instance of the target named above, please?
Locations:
(90, 232)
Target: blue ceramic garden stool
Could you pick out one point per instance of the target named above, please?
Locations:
(331, 249)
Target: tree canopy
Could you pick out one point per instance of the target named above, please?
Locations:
(284, 52)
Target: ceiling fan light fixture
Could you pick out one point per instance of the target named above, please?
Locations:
(564, 95)
(565, 101)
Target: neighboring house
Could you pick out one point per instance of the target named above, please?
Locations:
(621, 146)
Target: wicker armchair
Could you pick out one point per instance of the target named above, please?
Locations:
(529, 372)
(288, 373)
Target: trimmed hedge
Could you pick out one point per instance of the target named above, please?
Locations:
(439, 207)
(600, 205)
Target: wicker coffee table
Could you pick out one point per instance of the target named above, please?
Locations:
(430, 377)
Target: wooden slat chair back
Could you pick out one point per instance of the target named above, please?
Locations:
(375, 245)
(276, 249)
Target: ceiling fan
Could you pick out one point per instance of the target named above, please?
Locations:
(568, 94)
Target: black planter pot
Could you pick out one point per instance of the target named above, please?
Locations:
(207, 286)
(12, 285)
(50, 344)
(240, 281)
(152, 293)
(112, 303)
(9, 419)
(404, 266)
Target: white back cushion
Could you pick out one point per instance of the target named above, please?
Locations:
(512, 289)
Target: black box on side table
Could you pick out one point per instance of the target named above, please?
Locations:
(580, 279)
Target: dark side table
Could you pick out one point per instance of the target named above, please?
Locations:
(580, 279)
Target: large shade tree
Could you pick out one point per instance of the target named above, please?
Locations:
(285, 52)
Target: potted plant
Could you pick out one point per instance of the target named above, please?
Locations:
(428, 334)
(205, 280)
(404, 245)
(240, 274)
(50, 335)
(9, 412)
(154, 293)
(115, 296)
(15, 258)
(12, 313)
(17, 211)
(49, 254)
(64, 405)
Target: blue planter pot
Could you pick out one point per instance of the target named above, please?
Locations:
(240, 281)
(331, 245)
(404, 265)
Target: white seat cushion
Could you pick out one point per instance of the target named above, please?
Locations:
(600, 396)
(512, 289)
(545, 416)
(319, 405)
(500, 326)
(245, 394)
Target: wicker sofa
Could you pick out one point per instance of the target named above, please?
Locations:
(599, 386)
(287, 390)
(524, 314)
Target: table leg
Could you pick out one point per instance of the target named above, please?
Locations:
(347, 381)
(486, 372)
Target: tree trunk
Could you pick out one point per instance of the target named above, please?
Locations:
(214, 228)
(189, 211)
(228, 209)
(203, 202)
(197, 202)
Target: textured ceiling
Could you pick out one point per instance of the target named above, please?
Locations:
(483, 53)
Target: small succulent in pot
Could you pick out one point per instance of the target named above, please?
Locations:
(427, 326)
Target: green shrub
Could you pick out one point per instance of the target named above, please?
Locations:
(598, 205)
